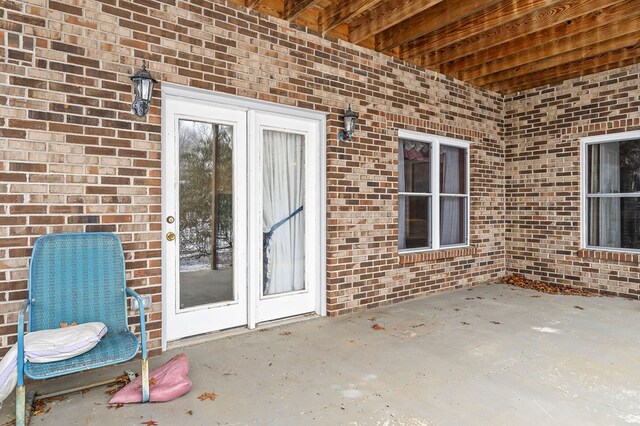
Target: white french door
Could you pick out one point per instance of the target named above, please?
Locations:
(285, 221)
(205, 221)
(242, 216)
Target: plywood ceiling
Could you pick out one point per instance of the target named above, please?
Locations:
(502, 45)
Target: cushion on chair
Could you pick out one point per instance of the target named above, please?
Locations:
(113, 348)
(62, 343)
(49, 345)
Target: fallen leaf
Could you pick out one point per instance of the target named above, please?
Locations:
(208, 395)
(153, 381)
(149, 423)
(377, 326)
(285, 333)
(119, 382)
(579, 307)
(456, 309)
(64, 325)
(469, 298)
(372, 318)
(190, 412)
(41, 406)
(495, 322)
(116, 406)
(465, 323)
(535, 295)
(418, 325)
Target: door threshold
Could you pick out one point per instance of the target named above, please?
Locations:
(231, 332)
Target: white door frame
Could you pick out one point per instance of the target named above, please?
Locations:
(235, 102)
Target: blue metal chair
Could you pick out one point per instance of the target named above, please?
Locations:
(79, 278)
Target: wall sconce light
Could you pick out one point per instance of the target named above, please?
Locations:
(350, 118)
(142, 89)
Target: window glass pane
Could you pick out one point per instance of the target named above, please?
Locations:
(415, 222)
(416, 173)
(614, 167)
(206, 213)
(453, 220)
(282, 212)
(614, 222)
(453, 170)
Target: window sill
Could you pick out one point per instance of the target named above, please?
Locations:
(425, 256)
(616, 256)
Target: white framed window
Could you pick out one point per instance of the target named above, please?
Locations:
(433, 192)
(610, 188)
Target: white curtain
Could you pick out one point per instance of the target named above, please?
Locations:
(451, 208)
(605, 178)
(283, 219)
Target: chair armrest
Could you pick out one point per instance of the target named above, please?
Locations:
(20, 359)
(143, 328)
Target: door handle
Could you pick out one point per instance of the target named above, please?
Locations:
(171, 236)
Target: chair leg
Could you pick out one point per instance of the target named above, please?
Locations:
(21, 409)
(145, 380)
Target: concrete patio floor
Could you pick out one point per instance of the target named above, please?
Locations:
(495, 355)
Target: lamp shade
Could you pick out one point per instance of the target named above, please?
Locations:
(142, 89)
(349, 121)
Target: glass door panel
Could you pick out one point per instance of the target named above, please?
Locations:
(206, 220)
(283, 192)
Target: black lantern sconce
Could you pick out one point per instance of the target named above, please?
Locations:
(142, 90)
(350, 118)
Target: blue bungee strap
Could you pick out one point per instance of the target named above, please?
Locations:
(266, 240)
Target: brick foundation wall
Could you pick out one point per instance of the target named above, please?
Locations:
(74, 158)
(543, 128)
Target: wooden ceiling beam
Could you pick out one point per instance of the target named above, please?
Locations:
(628, 40)
(385, 15)
(610, 60)
(601, 18)
(251, 3)
(293, 8)
(499, 14)
(534, 22)
(341, 11)
(427, 21)
(613, 31)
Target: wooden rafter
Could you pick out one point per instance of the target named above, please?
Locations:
(543, 62)
(610, 60)
(428, 20)
(340, 11)
(251, 3)
(604, 21)
(293, 8)
(529, 24)
(498, 14)
(385, 15)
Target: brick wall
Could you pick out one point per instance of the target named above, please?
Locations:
(543, 128)
(74, 158)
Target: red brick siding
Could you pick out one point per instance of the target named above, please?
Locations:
(543, 128)
(74, 158)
